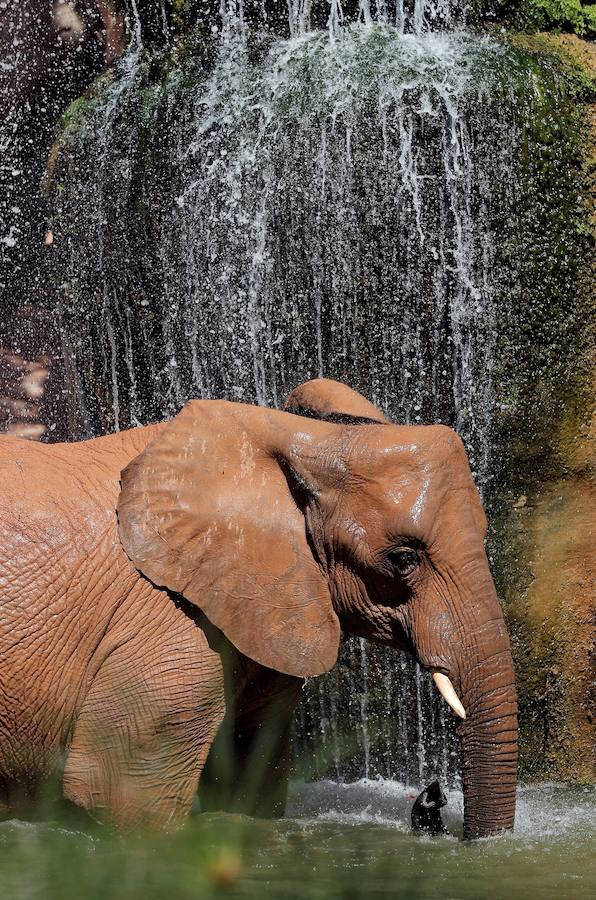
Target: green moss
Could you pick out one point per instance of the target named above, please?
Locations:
(572, 16)
(573, 58)
(547, 276)
(74, 115)
(544, 400)
(181, 14)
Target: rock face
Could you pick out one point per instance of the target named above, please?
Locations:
(232, 224)
(51, 50)
(544, 547)
(552, 617)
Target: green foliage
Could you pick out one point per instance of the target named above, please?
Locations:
(550, 15)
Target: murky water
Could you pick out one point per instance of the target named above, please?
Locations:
(350, 840)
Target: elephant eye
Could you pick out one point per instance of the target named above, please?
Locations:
(404, 560)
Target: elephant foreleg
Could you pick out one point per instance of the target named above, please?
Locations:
(248, 767)
(143, 735)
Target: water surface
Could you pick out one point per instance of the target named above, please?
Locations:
(339, 840)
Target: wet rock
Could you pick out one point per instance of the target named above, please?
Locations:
(22, 388)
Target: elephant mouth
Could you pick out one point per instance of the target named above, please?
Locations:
(439, 672)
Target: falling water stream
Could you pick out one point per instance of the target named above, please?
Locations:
(325, 204)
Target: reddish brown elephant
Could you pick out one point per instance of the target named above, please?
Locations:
(138, 615)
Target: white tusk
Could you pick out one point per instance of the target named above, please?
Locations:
(447, 692)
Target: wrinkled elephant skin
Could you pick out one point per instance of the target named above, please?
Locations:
(160, 582)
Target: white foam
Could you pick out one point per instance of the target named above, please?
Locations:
(544, 811)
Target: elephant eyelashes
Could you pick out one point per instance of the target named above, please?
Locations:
(404, 560)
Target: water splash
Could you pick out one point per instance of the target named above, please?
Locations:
(546, 812)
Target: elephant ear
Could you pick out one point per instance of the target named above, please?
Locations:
(323, 398)
(207, 510)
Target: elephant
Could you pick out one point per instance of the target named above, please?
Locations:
(166, 590)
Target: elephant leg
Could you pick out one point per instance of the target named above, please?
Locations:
(248, 767)
(142, 736)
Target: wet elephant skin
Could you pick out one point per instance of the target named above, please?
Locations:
(160, 582)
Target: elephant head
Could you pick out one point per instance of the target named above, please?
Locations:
(283, 529)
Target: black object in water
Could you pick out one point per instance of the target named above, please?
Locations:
(426, 812)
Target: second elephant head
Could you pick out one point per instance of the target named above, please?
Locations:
(284, 529)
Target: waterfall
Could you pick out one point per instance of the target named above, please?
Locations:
(322, 205)
(415, 16)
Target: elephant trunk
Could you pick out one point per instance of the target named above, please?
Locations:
(489, 770)
(489, 733)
